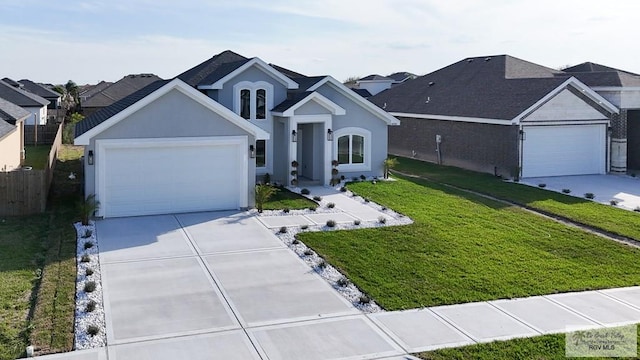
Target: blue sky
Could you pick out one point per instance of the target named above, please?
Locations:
(87, 41)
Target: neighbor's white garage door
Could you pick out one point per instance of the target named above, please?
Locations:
(160, 178)
(564, 150)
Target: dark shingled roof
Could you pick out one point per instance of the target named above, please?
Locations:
(492, 87)
(21, 97)
(288, 73)
(11, 112)
(119, 90)
(594, 74)
(362, 92)
(292, 99)
(213, 69)
(305, 83)
(39, 90)
(90, 90)
(374, 77)
(5, 128)
(105, 113)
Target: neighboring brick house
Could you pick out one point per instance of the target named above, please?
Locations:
(105, 96)
(503, 115)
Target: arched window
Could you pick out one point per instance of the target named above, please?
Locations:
(252, 100)
(353, 149)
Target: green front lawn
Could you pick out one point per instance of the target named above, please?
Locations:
(545, 347)
(285, 199)
(465, 248)
(601, 216)
(37, 156)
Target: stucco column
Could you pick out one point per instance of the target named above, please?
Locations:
(619, 143)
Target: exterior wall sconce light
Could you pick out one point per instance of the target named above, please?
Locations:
(252, 151)
(329, 135)
(294, 136)
(609, 129)
(90, 157)
(523, 135)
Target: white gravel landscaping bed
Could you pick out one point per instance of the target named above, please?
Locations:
(317, 263)
(86, 320)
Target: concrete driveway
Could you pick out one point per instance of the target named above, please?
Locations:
(624, 189)
(193, 285)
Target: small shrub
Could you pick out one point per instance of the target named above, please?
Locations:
(304, 227)
(364, 299)
(613, 202)
(91, 305)
(384, 208)
(294, 172)
(334, 163)
(308, 252)
(589, 196)
(542, 185)
(637, 209)
(294, 164)
(343, 189)
(334, 171)
(90, 286)
(374, 182)
(322, 264)
(331, 205)
(342, 282)
(366, 200)
(305, 191)
(294, 182)
(331, 223)
(633, 174)
(342, 177)
(88, 245)
(317, 198)
(295, 242)
(312, 209)
(88, 272)
(283, 230)
(382, 220)
(87, 233)
(566, 191)
(93, 330)
(355, 178)
(85, 258)
(356, 222)
(286, 210)
(362, 177)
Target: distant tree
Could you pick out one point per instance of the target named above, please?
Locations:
(69, 128)
(60, 89)
(565, 66)
(351, 80)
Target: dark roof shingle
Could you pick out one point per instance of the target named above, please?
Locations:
(39, 90)
(21, 97)
(119, 90)
(214, 68)
(492, 87)
(11, 112)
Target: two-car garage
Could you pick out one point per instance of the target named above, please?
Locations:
(560, 150)
(159, 176)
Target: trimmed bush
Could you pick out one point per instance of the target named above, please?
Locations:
(382, 220)
(89, 286)
(85, 258)
(304, 227)
(542, 185)
(566, 191)
(364, 299)
(305, 191)
(613, 202)
(317, 198)
(331, 205)
(286, 210)
(87, 233)
(91, 305)
(308, 252)
(93, 330)
(342, 282)
(88, 245)
(356, 222)
(589, 196)
(331, 223)
(283, 230)
(322, 264)
(88, 272)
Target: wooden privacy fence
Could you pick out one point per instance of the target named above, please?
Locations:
(46, 134)
(24, 192)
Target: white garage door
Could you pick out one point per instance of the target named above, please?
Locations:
(158, 177)
(564, 150)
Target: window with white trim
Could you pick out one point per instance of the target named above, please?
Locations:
(261, 153)
(252, 100)
(352, 149)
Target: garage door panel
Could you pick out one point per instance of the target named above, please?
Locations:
(564, 150)
(167, 179)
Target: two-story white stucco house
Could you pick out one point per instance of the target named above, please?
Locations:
(201, 140)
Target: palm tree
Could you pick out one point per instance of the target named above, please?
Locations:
(263, 194)
(389, 163)
(87, 208)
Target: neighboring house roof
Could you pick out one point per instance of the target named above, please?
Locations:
(11, 112)
(374, 77)
(38, 89)
(402, 76)
(90, 90)
(105, 113)
(597, 75)
(119, 90)
(21, 97)
(289, 73)
(5, 128)
(362, 92)
(288, 107)
(491, 87)
(12, 82)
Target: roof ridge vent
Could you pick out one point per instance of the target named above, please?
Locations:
(470, 60)
(431, 83)
(487, 58)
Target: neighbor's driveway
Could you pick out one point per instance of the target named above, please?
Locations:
(194, 285)
(622, 188)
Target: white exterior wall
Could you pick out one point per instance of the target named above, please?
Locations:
(39, 113)
(565, 106)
